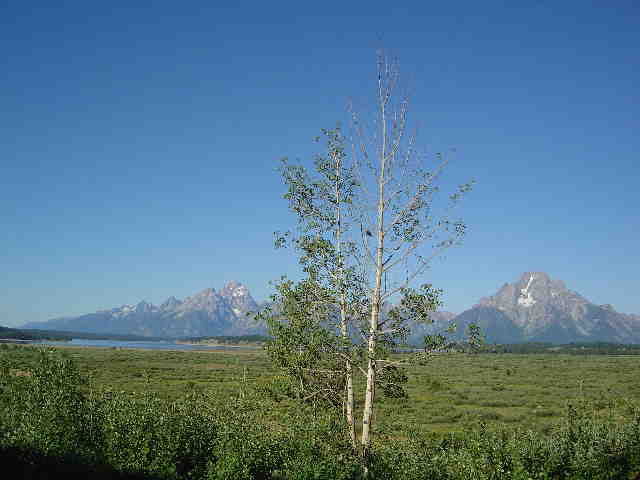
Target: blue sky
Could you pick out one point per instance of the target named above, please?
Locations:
(140, 143)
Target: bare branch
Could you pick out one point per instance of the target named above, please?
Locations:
(432, 178)
(419, 271)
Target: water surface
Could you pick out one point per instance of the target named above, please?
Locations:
(150, 345)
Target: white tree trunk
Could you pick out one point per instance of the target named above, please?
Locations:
(349, 411)
(367, 415)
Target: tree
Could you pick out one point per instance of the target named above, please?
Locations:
(314, 343)
(369, 224)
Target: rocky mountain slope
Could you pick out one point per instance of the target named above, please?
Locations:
(534, 308)
(207, 313)
(539, 308)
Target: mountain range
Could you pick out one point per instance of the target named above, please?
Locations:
(533, 308)
(207, 313)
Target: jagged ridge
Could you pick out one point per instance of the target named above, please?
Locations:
(203, 314)
(534, 308)
(539, 308)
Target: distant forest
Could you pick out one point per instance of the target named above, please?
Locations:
(7, 333)
(582, 348)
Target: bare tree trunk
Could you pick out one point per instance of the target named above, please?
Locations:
(367, 415)
(349, 385)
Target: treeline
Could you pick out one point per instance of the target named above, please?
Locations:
(53, 426)
(31, 335)
(53, 335)
(59, 336)
(579, 348)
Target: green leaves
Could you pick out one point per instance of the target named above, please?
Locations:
(310, 322)
(475, 338)
(304, 340)
(312, 197)
(416, 305)
(49, 418)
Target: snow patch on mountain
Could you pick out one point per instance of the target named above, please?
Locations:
(525, 299)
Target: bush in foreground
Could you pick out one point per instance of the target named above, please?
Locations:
(52, 424)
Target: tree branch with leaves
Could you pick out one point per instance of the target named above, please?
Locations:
(368, 227)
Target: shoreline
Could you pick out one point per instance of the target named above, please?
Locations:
(198, 344)
(67, 345)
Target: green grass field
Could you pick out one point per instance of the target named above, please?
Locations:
(176, 415)
(450, 393)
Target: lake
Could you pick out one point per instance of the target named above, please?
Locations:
(151, 345)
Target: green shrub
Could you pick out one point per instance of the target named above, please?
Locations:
(47, 411)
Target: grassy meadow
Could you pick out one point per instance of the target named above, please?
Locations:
(450, 393)
(224, 414)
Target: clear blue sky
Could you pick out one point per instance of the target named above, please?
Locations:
(139, 143)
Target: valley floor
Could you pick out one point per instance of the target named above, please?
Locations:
(450, 393)
(173, 415)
